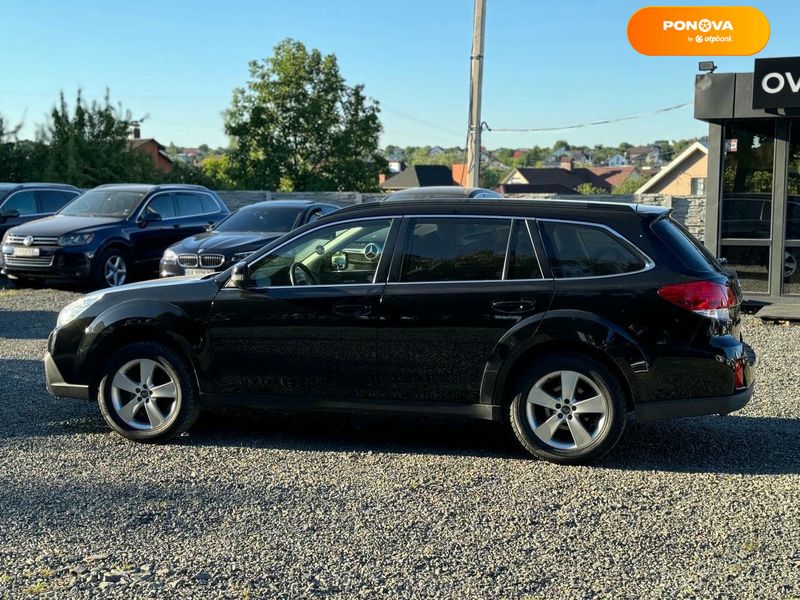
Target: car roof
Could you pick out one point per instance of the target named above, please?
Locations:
(11, 186)
(150, 187)
(438, 192)
(556, 208)
(290, 204)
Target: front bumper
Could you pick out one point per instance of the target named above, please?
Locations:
(694, 407)
(53, 262)
(173, 269)
(56, 384)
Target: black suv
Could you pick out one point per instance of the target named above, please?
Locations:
(557, 317)
(237, 237)
(109, 231)
(23, 202)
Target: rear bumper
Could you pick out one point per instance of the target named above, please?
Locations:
(694, 407)
(56, 384)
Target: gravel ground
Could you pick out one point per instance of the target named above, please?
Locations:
(255, 505)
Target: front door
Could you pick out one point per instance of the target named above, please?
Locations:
(460, 285)
(303, 326)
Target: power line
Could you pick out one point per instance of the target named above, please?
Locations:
(486, 126)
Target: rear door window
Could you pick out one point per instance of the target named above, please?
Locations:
(189, 205)
(163, 205)
(455, 249)
(586, 250)
(208, 204)
(53, 200)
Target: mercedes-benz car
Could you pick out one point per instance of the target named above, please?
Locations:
(237, 237)
(556, 318)
(110, 233)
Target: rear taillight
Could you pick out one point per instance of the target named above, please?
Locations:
(707, 298)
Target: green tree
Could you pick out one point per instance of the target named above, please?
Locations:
(630, 185)
(218, 170)
(89, 145)
(587, 189)
(298, 126)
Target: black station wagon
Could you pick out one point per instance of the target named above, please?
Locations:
(557, 318)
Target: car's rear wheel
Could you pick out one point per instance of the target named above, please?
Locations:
(568, 408)
(147, 392)
(111, 268)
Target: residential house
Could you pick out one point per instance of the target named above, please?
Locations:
(685, 176)
(617, 160)
(565, 179)
(644, 155)
(396, 165)
(418, 176)
(157, 151)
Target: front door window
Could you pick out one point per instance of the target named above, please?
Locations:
(341, 254)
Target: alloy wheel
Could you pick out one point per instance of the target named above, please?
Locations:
(115, 270)
(566, 410)
(145, 394)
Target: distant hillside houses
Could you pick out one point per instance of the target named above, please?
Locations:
(565, 179)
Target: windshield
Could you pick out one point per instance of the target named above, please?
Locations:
(261, 218)
(104, 203)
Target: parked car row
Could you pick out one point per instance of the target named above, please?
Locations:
(112, 233)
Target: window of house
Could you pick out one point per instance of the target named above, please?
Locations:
(577, 250)
(698, 186)
(455, 249)
(23, 202)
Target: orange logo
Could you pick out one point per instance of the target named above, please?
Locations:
(698, 30)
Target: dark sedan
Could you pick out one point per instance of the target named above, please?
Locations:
(238, 236)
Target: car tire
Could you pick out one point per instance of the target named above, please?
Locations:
(110, 266)
(573, 430)
(161, 403)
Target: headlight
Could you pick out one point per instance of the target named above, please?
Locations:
(6, 236)
(75, 239)
(169, 256)
(241, 256)
(73, 310)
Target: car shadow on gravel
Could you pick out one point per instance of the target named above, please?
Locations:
(733, 444)
(26, 324)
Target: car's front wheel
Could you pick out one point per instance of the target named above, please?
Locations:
(147, 392)
(111, 269)
(568, 408)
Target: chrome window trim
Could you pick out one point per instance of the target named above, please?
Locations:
(649, 262)
(323, 285)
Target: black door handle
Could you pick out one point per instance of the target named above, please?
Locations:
(352, 310)
(513, 307)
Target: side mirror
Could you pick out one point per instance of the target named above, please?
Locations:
(209, 227)
(8, 214)
(723, 261)
(149, 217)
(239, 275)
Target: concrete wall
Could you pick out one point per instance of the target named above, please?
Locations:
(690, 211)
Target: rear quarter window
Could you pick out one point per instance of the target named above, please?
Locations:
(685, 247)
(586, 250)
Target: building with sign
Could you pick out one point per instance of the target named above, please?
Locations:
(753, 187)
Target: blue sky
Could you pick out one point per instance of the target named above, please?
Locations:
(548, 63)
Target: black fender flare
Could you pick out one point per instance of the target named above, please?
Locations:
(161, 320)
(568, 329)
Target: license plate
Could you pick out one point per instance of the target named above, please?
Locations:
(198, 272)
(24, 251)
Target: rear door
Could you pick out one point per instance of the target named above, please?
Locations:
(457, 285)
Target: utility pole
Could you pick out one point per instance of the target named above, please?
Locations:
(475, 85)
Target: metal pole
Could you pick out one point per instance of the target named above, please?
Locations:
(475, 84)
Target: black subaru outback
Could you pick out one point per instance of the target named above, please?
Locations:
(555, 317)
